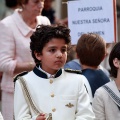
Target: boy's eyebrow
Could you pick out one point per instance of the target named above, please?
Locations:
(56, 47)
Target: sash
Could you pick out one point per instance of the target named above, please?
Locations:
(113, 92)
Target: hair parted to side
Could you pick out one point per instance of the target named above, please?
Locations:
(115, 53)
(45, 33)
(21, 2)
(91, 49)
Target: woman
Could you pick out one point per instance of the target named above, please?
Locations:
(106, 103)
(15, 56)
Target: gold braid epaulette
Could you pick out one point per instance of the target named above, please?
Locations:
(73, 71)
(19, 75)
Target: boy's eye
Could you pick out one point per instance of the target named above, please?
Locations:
(37, 1)
(64, 50)
(52, 50)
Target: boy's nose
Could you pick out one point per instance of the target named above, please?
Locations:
(59, 54)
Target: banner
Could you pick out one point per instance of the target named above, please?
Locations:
(92, 16)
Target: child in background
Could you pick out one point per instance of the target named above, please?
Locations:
(55, 92)
(91, 50)
(106, 102)
(49, 12)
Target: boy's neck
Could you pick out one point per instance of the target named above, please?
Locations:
(90, 67)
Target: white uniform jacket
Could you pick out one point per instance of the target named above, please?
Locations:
(64, 96)
(107, 105)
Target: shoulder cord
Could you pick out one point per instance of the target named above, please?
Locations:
(28, 96)
(30, 101)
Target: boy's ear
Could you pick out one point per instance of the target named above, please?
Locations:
(38, 55)
(116, 63)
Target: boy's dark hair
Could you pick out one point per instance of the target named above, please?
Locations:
(44, 33)
(115, 53)
(91, 49)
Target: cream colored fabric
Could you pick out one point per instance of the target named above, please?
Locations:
(103, 106)
(1, 117)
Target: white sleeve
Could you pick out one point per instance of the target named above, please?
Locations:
(98, 105)
(48, 21)
(1, 117)
(84, 108)
(7, 50)
(21, 108)
(43, 20)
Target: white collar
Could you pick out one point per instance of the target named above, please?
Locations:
(49, 75)
(23, 27)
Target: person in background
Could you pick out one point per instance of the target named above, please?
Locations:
(55, 92)
(49, 12)
(15, 55)
(74, 63)
(11, 6)
(7, 7)
(91, 50)
(2, 9)
(1, 33)
(106, 102)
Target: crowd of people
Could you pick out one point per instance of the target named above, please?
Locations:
(38, 79)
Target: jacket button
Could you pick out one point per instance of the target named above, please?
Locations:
(51, 81)
(52, 95)
(53, 109)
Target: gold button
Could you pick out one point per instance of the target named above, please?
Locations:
(51, 81)
(52, 95)
(53, 109)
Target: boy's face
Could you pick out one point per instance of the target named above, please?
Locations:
(54, 55)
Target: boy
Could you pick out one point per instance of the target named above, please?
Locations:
(91, 50)
(55, 92)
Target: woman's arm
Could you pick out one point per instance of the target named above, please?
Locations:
(25, 66)
(8, 62)
(7, 50)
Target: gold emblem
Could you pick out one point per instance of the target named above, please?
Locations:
(69, 105)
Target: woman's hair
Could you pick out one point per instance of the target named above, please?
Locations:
(91, 49)
(21, 2)
(115, 53)
(44, 34)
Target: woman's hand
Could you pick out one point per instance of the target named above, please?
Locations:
(24, 66)
(41, 117)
